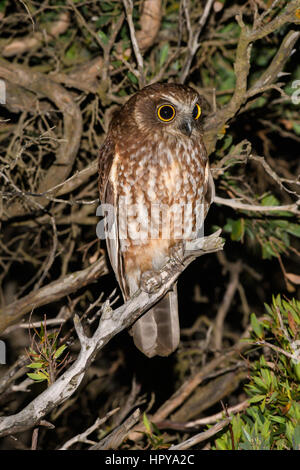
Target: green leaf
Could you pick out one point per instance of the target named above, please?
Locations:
(270, 200)
(232, 28)
(228, 226)
(296, 438)
(297, 370)
(296, 128)
(227, 142)
(257, 398)
(263, 55)
(256, 326)
(267, 251)
(102, 20)
(221, 444)
(103, 37)
(155, 429)
(277, 419)
(35, 365)
(72, 53)
(293, 229)
(132, 78)
(3, 5)
(260, 383)
(163, 54)
(105, 6)
(238, 230)
(38, 376)
(147, 423)
(59, 351)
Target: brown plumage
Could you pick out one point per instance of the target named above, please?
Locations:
(154, 159)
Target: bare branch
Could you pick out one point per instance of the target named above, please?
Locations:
(36, 40)
(193, 43)
(191, 425)
(128, 5)
(235, 204)
(11, 313)
(202, 436)
(235, 270)
(72, 118)
(117, 436)
(83, 437)
(216, 121)
(111, 323)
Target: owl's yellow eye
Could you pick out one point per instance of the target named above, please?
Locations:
(166, 112)
(196, 112)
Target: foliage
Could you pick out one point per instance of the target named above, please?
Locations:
(154, 436)
(45, 355)
(271, 233)
(272, 421)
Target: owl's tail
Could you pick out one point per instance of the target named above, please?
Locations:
(157, 332)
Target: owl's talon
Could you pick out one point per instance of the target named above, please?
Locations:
(150, 281)
(177, 254)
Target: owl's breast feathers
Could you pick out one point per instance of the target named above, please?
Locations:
(165, 171)
(151, 178)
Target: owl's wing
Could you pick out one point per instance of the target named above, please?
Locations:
(108, 196)
(106, 157)
(209, 188)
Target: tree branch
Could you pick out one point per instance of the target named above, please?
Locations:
(111, 323)
(235, 204)
(202, 436)
(44, 87)
(11, 313)
(215, 122)
(128, 5)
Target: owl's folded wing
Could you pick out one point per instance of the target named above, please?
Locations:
(108, 196)
(208, 188)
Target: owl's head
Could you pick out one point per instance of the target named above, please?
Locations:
(166, 108)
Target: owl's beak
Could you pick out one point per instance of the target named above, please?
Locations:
(186, 126)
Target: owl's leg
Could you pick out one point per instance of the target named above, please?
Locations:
(177, 253)
(150, 281)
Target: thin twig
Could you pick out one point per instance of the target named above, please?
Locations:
(193, 43)
(82, 437)
(191, 425)
(202, 436)
(128, 5)
(235, 270)
(117, 436)
(235, 204)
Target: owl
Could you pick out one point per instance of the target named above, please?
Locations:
(154, 173)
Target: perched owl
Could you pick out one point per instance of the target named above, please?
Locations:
(154, 159)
